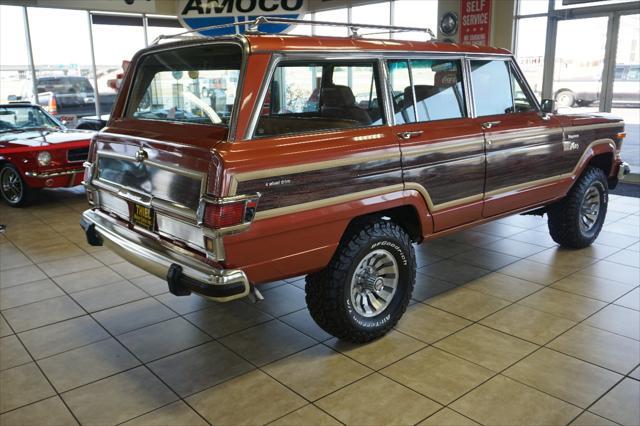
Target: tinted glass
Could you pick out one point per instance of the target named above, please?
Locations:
(304, 97)
(438, 89)
(491, 87)
(193, 84)
(401, 92)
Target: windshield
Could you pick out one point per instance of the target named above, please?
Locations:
(23, 118)
(193, 84)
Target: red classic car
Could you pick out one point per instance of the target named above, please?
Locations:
(37, 151)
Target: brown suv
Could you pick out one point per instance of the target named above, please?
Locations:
(234, 161)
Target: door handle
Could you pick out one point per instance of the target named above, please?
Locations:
(490, 124)
(408, 135)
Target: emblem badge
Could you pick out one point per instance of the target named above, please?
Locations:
(141, 155)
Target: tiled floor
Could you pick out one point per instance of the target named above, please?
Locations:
(505, 328)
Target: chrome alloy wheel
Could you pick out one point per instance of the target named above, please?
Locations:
(374, 283)
(11, 185)
(590, 209)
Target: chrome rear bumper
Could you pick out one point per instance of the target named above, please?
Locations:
(184, 273)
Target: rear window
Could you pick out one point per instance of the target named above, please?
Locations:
(192, 84)
(65, 85)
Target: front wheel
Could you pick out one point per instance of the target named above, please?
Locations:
(13, 189)
(576, 221)
(366, 288)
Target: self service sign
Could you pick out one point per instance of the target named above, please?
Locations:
(475, 16)
(194, 14)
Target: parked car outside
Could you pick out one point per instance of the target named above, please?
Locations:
(295, 175)
(37, 151)
(67, 97)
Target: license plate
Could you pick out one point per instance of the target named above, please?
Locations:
(142, 216)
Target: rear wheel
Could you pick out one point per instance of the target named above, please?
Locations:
(576, 221)
(13, 188)
(365, 289)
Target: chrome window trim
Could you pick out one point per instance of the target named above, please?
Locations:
(239, 40)
(274, 62)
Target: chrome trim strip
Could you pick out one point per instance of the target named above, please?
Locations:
(164, 166)
(154, 257)
(47, 175)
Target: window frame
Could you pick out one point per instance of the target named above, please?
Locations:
(280, 58)
(514, 71)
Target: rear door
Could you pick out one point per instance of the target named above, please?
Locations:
(524, 147)
(442, 147)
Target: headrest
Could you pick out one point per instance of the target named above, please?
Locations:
(337, 97)
(422, 92)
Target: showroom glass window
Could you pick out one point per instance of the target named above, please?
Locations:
(374, 14)
(415, 13)
(15, 76)
(312, 96)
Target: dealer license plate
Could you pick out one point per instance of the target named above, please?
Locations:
(142, 216)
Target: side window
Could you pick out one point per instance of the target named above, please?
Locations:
(491, 87)
(438, 89)
(401, 92)
(522, 101)
(313, 96)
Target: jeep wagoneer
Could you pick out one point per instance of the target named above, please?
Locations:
(234, 161)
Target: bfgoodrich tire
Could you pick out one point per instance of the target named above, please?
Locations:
(576, 221)
(366, 287)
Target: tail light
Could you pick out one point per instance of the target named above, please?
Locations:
(228, 212)
(52, 107)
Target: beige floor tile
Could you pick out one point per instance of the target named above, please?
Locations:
(267, 342)
(566, 258)
(107, 257)
(282, 300)
(13, 260)
(635, 373)
(28, 293)
(84, 280)
(537, 237)
(118, 398)
(504, 286)
(381, 352)
(502, 401)
(226, 318)
(12, 353)
(399, 405)
(536, 272)
(185, 304)
(590, 419)
(593, 287)
(600, 347)
(630, 300)
(60, 250)
(316, 372)
(468, 304)
(17, 276)
(563, 304)
(138, 314)
(514, 248)
(86, 364)
(253, 398)
(41, 313)
(309, 415)
(528, 323)
(48, 412)
(564, 377)
(56, 338)
(621, 403)
(108, 296)
(162, 339)
(69, 265)
(429, 324)
(617, 319)
(454, 272)
(128, 270)
(447, 417)
(484, 346)
(625, 257)
(302, 321)
(5, 330)
(175, 414)
(21, 386)
(198, 368)
(487, 259)
(614, 271)
(438, 375)
(150, 284)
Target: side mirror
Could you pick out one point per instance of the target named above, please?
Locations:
(548, 106)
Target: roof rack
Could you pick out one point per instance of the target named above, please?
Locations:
(253, 25)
